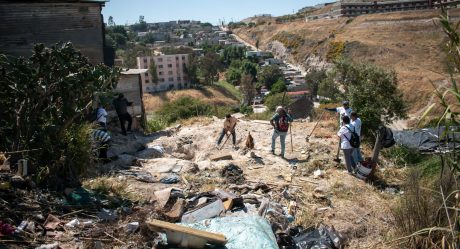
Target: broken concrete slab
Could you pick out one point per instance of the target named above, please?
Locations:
(211, 210)
(149, 153)
(177, 210)
(220, 157)
(162, 196)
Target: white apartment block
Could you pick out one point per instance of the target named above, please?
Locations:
(170, 72)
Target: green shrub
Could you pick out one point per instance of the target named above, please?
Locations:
(275, 100)
(156, 124)
(183, 108)
(246, 109)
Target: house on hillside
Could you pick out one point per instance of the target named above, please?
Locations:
(170, 72)
(25, 23)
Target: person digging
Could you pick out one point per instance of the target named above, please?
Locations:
(280, 122)
(229, 129)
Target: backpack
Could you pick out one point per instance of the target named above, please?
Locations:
(387, 139)
(283, 124)
(354, 139)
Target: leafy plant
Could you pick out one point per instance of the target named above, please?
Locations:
(275, 100)
(43, 97)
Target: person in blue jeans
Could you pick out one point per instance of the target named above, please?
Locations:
(356, 123)
(280, 122)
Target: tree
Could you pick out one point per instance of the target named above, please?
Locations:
(210, 67)
(275, 100)
(313, 80)
(44, 100)
(233, 76)
(141, 26)
(372, 92)
(248, 88)
(111, 22)
(153, 72)
(191, 70)
(269, 75)
(248, 67)
(132, 52)
(231, 53)
(278, 87)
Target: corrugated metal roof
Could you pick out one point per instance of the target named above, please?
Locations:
(134, 71)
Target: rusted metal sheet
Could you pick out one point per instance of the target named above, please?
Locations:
(25, 24)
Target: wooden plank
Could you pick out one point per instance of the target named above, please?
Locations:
(212, 238)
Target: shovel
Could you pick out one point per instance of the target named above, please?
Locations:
(337, 158)
(314, 128)
(228, 136)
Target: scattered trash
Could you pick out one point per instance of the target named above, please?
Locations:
(211, 210)
(364, 170)
(132, 227)
(107, 215)
(170, 179)
(52, 222)
(187, 237)
(318, 174)
(233, 174)
(323, 237)
(21, 227)
(163, 196)
(176, 211)
(55, 245)
(6, 229)
(240, 231)
(73, 223)
(79, 197)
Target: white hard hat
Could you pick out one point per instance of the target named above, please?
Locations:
(279, 108)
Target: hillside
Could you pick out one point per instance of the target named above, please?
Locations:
(408, 42)
(214, 95)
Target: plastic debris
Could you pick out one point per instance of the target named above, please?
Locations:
(318, 173)
(73, 223)
(240, 231)
(55, 245)
(52, 222)
(107, 215)
(132, 227)
(211, 210)
(170, 179)
(6, 229)
(323, 237)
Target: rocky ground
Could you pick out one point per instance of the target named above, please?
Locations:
(186, 158)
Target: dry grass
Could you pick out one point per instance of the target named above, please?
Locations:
(209, 95)
(110, 186)
(197, 121)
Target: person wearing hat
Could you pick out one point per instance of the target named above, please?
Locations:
(343, 111)
(121, 106)
(280, 122)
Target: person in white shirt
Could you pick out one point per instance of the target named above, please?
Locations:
(356, 122)
(343, 111)
(101, 117)
(345, 136)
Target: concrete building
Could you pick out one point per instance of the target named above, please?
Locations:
(26, 23)
(170, 71)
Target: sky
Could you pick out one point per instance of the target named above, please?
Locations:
(128, 11)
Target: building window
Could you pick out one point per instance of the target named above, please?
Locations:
(146, 74)
(178, 79)
(170, 65)
(160, 73)
(160, 59)
(177, 58)
(162, 80)
(183, 57)
(147, 81)
(146, 66)
(170, 72)
(170, 79)
(145, 60)
(160, 66)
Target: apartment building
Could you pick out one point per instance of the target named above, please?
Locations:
(170, 72)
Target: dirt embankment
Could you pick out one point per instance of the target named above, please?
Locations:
(408, 42)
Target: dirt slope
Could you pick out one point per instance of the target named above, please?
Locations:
(408, 42)
(357, 209)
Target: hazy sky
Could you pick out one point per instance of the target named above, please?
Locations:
(124, 11)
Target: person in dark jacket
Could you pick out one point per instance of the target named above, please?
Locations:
(121, 106)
